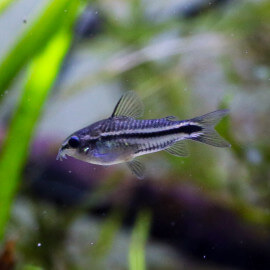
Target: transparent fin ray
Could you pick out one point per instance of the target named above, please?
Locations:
(178, 149)
(137, 168)
(210, 119)
(209, 135)
(129, 105)
(171, 118)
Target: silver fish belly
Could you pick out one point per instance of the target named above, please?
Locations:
(121, 138)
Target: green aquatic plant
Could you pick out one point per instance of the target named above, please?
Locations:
(33, 40)
(31, 267)
(138, 241)
(4, 5)
(43, 70)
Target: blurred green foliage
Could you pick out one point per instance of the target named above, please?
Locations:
(43, 71)
(57, 14)
(31, 267)
(138, 241)
(4, 4)
(106, 237)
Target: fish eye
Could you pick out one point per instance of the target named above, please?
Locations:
(74, 141)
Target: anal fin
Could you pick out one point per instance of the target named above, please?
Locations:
(137, 168)
(178, 149)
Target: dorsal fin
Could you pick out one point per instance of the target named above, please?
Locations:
(178, 149)
(129, 105)
(171, 118)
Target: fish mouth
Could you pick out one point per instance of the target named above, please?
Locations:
(61, 155)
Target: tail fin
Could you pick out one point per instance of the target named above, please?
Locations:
(209, 134)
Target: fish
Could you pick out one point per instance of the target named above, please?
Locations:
(123, 137)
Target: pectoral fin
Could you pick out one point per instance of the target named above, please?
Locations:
(129, 105)
(178, 149)
(137, 168)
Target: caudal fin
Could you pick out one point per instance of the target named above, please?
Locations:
(208, 134)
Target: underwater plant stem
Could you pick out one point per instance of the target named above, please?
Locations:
(33, 40)
(42, 73)
(138, 241)
(4, 4)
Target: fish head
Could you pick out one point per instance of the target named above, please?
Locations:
(71, 146)
(81, 143)
(77, 145)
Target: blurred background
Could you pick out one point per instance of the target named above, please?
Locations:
(64, 64)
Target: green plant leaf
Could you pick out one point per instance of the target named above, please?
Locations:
(34, 39)
(42, 73)
(31, 267)
(107, 235)
(4, 5)
(138, 241)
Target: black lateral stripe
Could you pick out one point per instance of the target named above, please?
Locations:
(188, 129)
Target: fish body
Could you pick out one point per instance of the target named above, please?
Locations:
(121, 137)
